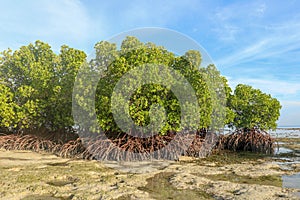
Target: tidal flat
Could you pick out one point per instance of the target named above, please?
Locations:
(224, 175)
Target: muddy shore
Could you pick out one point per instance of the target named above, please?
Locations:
(28, 175)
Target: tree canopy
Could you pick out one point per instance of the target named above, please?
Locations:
(134, 53)
(36, 87)
(253, 109)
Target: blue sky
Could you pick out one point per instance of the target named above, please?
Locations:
(252, 42)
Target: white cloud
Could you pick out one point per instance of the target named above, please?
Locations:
(65, 17)
(56, 21)
(158, 13)
(227, 33)
(260, 10)
(268, 47)
(290, 111)
(255, 38)
(235, 18)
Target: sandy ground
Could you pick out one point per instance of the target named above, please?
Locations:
(29, 175)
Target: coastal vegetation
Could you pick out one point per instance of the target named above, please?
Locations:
(36, 86)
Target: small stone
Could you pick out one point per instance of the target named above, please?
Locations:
(281, 195)
(114, 186)
(122, 181)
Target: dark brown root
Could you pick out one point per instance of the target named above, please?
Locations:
(203, 144)
(124, 147)
(128, 148)
(25, 142)
(37, 144)
(253, 140)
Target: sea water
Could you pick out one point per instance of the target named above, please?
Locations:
(289, 132)
(288, 181)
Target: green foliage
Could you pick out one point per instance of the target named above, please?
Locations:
(253, 108)
(219, 92)
(7, 106)
(36, 87)
(198, 80)
(194, 57)
(133, 54)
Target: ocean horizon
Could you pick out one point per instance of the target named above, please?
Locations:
(288, 126)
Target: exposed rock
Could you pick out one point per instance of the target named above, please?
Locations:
(27, 175)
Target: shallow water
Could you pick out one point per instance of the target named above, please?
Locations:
(286, 132)
(297, 194)
(282, 150)
(286, 158)
(159, 187)
(291, 181)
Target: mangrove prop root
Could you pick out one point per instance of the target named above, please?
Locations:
(253, 140)
(128, 148)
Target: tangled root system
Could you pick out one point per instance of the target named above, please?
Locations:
(253, 140)
(124, 147)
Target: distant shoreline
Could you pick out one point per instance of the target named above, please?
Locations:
(289, 127)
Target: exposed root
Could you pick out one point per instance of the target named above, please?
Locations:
(253, 140)
(124, 147)
(128, 148)
(37, 144)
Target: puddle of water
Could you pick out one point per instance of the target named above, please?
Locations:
(291, 181)
(272, 180)
(297, 194)
(286, 167)
(159, 187)
(280, 143)
(283, 159)
(282, 150)
(286, 157)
